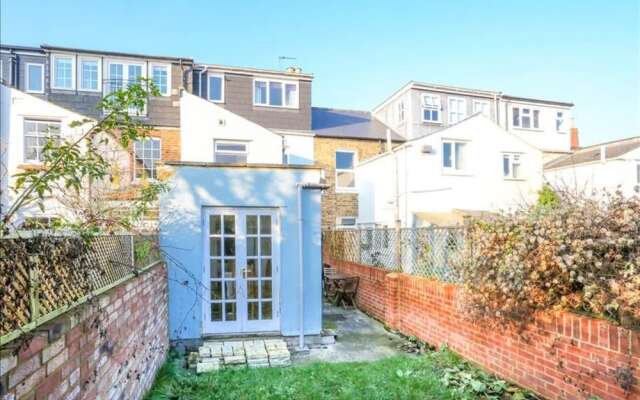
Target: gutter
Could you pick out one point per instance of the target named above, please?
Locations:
(301, 187)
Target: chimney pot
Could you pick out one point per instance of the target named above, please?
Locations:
(575, 139)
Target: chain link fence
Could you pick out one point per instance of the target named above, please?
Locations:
(429, 252)
(41, 275)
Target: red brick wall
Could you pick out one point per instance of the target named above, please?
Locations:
(72, 357)
(564, 356)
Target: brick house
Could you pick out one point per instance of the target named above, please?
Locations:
(342, 139)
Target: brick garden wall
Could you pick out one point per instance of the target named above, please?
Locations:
(109, 348)
(566, 356)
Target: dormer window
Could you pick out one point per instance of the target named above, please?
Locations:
(216, 88)
(560, 122)
(161, 78)
(526, 118)
(63, 72)
(275, 93)
(430, 108)
(35, 78)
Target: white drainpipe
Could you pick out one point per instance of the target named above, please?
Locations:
(301, 187)
(204, 69)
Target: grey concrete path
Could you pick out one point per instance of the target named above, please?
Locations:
(359, 338)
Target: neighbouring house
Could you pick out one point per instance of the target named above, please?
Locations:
(419, 108)
(343, 139)
(609, 166)
(468, 168)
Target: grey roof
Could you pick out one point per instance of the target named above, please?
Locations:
(45, 47)
(351, 124)
(532, 100)
(592, 153)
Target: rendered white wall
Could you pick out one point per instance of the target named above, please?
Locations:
(425, 187)
(202, 122)
(598, 176)
(299, 148)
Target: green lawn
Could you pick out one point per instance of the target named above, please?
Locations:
(437, 375)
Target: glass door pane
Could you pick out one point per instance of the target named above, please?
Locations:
(222, 264)
(259, 275)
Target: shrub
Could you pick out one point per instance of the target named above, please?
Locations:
(582, 254)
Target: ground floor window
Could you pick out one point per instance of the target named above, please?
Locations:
(147, 156)
(229, 152)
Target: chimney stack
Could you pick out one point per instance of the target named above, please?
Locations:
(575, 140)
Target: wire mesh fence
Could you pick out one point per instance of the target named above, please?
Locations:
(429, 252)
(40, 275)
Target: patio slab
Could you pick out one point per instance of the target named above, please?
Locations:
(358, 338)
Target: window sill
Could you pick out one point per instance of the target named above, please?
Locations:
(216, 101)
(34, 91)
(276, 107)
(95, 91)
(514, 179)
(432, 122)
(528, 129)
(457, 173)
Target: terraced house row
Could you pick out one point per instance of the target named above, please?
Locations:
(428, 154)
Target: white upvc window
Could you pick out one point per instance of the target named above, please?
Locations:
(345, 170)
(560, 122)
(147, 154)
(36, 135)
(230, 152)
(120, 74)
(526, 117)
(161, 77)
(346, 222)
(400, 112)
(483, 107)
(457, 109)
(90, 72)
(215, 86)
(454, 155)
(64, 71)
(431, 108)
(511, 166)
(275, 93)
(34, 78)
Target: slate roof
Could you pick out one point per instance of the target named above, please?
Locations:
(592, 153)
(350, 124)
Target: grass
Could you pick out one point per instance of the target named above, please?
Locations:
(400, 377)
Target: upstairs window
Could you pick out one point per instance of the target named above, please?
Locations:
(89, 75)
(454, 155)
(36, 135)
(560, 122)
(526, 118)
(35, 78)
(228, 152)
(274, 93)
(401, 112)
(345, 170)
(483, 107)
(147, 156)
(457, 109)
(430, 108)
(63, 72)
(160, 77)
(216, 88)
(120, 75)
(511, 166)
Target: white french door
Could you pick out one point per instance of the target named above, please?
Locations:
(241, 271)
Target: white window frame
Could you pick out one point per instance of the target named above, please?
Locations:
(453, 169)
(155, 167)
(27, 65)
(216, 142)
(340, 222)
(98, 88)
(346, 189)
(283, 82)
(563, 120)
(125, 78)
(221, 76)
(55, 57)
(532, 111)
(25, 134)
(484, 103)
(401, 111)
(168, 69)
(461, 114)
(512, 160)
(432, 107)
